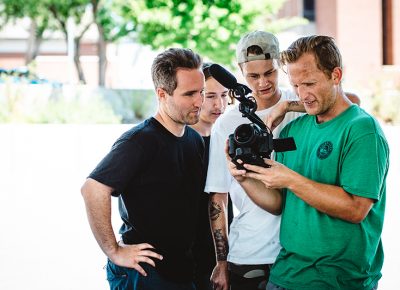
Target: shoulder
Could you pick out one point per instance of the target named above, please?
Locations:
(142, 134)
(193, 135)
(359, 119)
(232, 112)
(361, 123)
(297, 121)
(227, 120)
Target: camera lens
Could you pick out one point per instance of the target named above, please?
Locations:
(244, 134)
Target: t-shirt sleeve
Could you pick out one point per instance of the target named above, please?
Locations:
(120, 165)
(218, 176)
(365, 165)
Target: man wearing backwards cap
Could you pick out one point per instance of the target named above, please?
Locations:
(244, 263)
(254, 233)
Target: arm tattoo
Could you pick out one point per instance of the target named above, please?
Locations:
(293, 104)
(221, 245)
(215, 210)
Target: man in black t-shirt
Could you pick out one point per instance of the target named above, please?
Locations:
(156, 170)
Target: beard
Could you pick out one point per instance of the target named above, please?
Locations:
(184, 118)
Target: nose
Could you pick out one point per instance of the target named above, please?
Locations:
(301, 92)
(219, 103)
(198, 102)
(262, 81)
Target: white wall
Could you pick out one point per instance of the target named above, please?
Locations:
(45, 240)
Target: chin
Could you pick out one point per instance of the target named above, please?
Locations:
(312, 112)
(214, 118)
(192, 121)
(266, 96)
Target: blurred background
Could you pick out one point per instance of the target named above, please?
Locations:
(75, 74)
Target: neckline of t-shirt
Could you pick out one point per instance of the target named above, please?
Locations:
(334, 120)
(266, 110)
(166, 132)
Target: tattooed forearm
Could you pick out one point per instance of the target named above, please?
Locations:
(295, 106)
(215, 210)
(221, 244)
(294, 103)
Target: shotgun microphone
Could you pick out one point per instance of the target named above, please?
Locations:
(225, 78)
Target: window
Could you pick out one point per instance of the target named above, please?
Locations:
(309, 9)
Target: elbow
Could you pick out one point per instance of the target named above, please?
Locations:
(84, 189)
(272, 208)
(356, 218)
(277, 212)
(361, 210)
(274, 211)
(357, 215)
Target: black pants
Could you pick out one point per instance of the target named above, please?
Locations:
(239, 282)
(202, 282)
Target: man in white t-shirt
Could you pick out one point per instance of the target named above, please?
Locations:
(254, 233)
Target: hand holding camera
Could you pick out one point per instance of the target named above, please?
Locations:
(254, 141)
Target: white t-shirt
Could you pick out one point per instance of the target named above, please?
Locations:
(254, 233)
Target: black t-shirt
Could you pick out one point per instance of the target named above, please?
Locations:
(158, 178)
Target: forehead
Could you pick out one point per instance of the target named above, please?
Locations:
(305, 68)
(189, 78)
(305, 64)
(259, 66)
(212, 85)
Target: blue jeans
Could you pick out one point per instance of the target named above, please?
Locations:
(121, 278)
(272, 286)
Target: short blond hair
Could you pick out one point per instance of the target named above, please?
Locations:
(327, 54)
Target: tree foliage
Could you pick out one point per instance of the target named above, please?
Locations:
(50, 15)
(210, 27)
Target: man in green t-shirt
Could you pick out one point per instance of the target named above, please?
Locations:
(332, 189)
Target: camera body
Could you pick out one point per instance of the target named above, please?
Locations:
(250, 143)
(253, 142)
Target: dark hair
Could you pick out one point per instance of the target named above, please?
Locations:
(327, 54)
(206, 70)
(254, 50)
(207, 75)
(166, 64)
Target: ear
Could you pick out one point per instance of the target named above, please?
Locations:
(337, 75)
(161, 93)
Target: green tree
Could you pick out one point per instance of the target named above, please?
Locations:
(13, 10)
(49, 15)
(210, 27)
(62, 11)
(111, 26)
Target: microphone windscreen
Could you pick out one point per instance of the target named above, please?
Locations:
(223, 76)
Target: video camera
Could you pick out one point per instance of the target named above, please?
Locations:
(249, 142)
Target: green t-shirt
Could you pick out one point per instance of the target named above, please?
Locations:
(320, 251)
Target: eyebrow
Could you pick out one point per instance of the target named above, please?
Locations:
(268, 71)
(211, 92)
(192, 92)
(271, 70)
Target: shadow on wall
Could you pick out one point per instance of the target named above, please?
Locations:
(78, 104)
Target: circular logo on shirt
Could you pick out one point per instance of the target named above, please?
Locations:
(324, 150)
